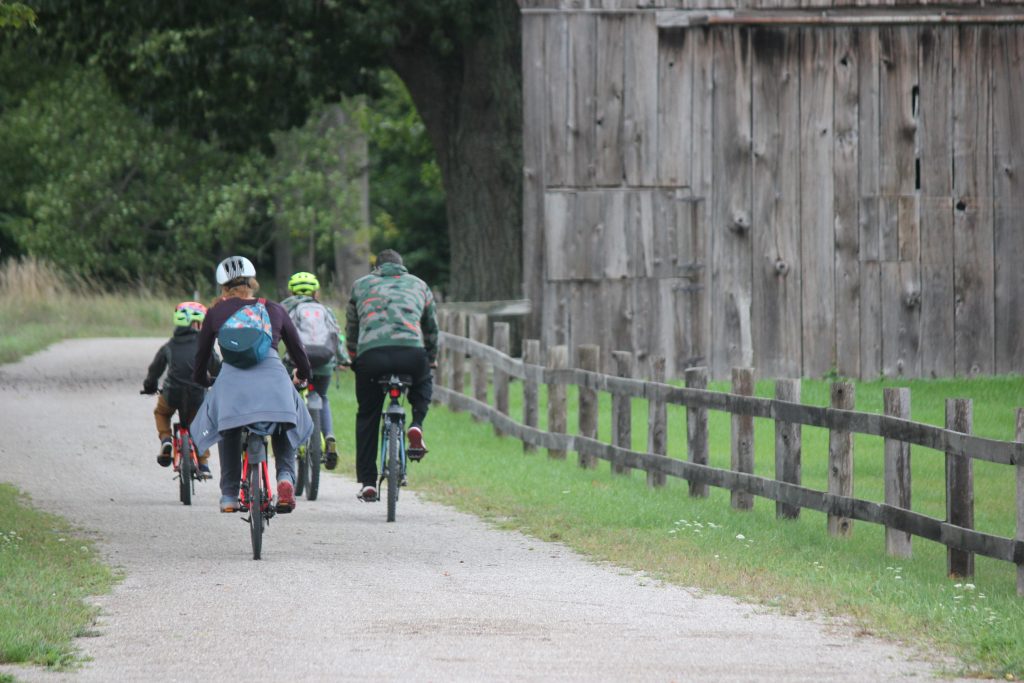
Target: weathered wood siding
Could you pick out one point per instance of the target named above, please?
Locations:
(794, 198)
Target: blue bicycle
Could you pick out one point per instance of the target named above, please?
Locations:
(393, 454)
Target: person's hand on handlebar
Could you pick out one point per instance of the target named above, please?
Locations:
(300, 383)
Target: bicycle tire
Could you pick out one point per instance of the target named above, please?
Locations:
(184, 456)
(314, 455)
(394, 469)
(256, 498)
(301, 469)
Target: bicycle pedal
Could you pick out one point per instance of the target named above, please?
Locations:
(415, 454)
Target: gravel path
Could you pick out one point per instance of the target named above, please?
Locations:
(340, 594)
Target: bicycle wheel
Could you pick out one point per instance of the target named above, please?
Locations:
(184, 458)
(256, 499)
(314, 454)
(394, 468)
(301, 469)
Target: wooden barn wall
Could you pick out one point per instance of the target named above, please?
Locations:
(799, 199)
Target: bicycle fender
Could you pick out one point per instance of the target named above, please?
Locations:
(314, 401)
(257, 450)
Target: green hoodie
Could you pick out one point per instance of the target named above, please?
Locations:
(391, 307)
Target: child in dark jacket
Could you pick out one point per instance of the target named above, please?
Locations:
(179, 393)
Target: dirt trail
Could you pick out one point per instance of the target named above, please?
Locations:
(340, 594)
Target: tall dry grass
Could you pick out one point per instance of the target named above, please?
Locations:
(40, 305)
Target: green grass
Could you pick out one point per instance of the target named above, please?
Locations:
(46, 572)
(793, 565)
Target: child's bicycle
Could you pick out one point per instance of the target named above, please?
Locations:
(393, 454)
(185, 462)
(310, 454)
(255, 494)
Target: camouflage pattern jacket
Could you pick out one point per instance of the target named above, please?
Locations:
(391, 307)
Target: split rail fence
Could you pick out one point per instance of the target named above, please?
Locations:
(492, 365)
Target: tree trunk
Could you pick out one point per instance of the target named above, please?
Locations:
(471, 105)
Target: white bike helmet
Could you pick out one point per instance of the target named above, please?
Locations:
(232, 267)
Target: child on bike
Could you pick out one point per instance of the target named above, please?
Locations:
(179, 393)
(324, 343)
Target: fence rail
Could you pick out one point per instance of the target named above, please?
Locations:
(959, 446)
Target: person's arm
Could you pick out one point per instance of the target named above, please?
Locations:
(428, 323)
(296, 351)
(352, 327)
(156, 368)
(204, 348)
(340, 353)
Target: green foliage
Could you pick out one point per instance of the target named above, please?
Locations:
(406, 197)
(16, 16)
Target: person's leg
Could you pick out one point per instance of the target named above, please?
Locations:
(321, 384)
(162, 414)
(421, 391)
(230, 448)
(193, 408)
(284, 457)
(370, 400)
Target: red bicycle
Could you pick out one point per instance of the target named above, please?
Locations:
(185, 462)
(255, 493)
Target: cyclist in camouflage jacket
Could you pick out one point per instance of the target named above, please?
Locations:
(391, 328)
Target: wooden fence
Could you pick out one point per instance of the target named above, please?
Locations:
(494, 365)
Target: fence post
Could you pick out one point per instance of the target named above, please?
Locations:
(558, 359)
(501, 343)
(478, 366)
(959, 488)
(1020, 503)
(657, 418)
(840, 459)
(742, 437)
(897, 471)
(622, 410)
(531, 356)
(589, 356)
(697, 429)
(458, 380)
(440, 371)
(788, 447)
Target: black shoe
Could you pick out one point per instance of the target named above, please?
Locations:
(164, 459)
(330, 453)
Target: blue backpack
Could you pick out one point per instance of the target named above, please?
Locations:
(245, 337)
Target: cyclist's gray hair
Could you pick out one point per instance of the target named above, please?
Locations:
(389, 256)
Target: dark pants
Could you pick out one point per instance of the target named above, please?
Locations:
(369, 366)
(231, 448)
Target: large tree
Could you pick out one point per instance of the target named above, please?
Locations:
(233, 72)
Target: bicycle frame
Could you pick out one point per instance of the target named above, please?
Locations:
(182, 441)
(243, 490)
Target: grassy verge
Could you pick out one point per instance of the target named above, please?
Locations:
(46, 572)
(792, 565)
(40, 306)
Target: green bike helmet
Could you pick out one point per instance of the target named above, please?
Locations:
(303, 283)
(189, 312)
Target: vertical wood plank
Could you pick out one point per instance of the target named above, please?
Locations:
(1008, 192)
(742, 437)
(788, 447)
(558, 359)
(935, 114)
(840, 459)
(870, 319)
(640, 95)
(589, 356)
(972, 216)
(675, 82)
(442, 371)
(697, 429)
(817, 238)
(458, 359)
(959, 487)
(608, 121)
(657, 422)
(558, 152)
(901, 319)
(622, 409)
(775, 227)
(531, 413)
(535, 127)
(846, 114)
(478, 369)
(559, 235)
(897, 120)
(502, 334)
(701, 169)
(896, 402)
(582, 93)
(730, 213)
(1020, 502)
(869, 212)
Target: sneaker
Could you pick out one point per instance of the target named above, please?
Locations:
(330, 452)
(368, 493)
(285, 496)
(229, 504)
(164, 459)
(417, 448)
(204, 471)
